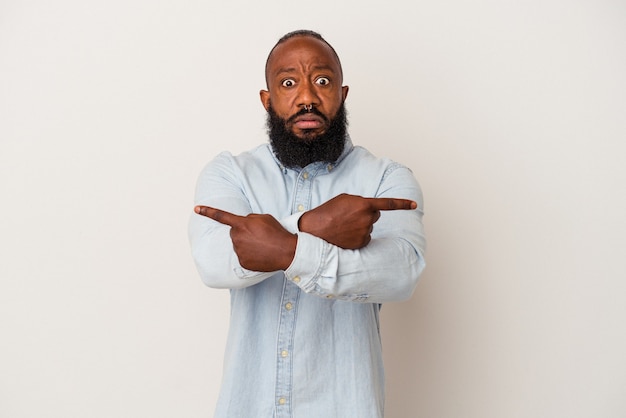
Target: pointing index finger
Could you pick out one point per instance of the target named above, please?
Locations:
(218, 215)
(388, 203)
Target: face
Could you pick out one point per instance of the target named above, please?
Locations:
(303, 71)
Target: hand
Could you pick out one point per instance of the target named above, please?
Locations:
(260, 241)
(347, 221)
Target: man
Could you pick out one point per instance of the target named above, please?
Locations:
(312, 235)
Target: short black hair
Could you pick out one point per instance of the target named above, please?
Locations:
(301, 32)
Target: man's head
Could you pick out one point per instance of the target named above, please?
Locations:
(304, 99)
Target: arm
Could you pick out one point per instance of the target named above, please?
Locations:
(384, 270)
(343, 222)
(220, 185)
(263, 244)
(347, 221)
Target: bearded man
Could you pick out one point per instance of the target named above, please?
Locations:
(311, 234)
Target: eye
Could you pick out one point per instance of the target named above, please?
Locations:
(288, 83)
(322, 81)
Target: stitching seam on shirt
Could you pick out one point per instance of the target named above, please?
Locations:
(318, 273)
(390, 169)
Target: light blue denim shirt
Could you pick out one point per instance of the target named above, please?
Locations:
(305, 342)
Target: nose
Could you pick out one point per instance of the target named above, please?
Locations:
(307, 95)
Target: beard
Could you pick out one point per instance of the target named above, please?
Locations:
(293, 151)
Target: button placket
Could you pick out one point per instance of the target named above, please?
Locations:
(285, 348)
(288, 309)
(302, 195)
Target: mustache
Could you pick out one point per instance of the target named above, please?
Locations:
(303, 111)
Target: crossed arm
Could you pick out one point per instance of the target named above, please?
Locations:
(262, 244)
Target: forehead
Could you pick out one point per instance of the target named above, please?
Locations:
(302, 52)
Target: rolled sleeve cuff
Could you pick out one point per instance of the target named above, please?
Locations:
(290, 223)
(312, 257)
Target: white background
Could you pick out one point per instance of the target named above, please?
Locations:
(511, 114)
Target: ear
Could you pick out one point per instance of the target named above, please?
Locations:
(265, 99)
(344, 92)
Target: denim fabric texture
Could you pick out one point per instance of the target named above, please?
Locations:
(305, 342)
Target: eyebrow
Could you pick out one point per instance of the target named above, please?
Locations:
(289, 70)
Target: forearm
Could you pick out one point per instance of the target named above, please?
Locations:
(387, 269)
(223, 263)
(215, 259)
(221, 186)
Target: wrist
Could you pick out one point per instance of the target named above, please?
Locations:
(300, 223)
(290, 251)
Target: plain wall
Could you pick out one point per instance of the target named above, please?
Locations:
(511, 114)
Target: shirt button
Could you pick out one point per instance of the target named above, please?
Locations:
(296, 279)
(282, 401)
(305, 175)
(300, 208)
(284, 353)
(329, 296)
(330, 167)
(288, 306)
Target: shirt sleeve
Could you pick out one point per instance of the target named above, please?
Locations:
(387, 269)
(211, 246)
